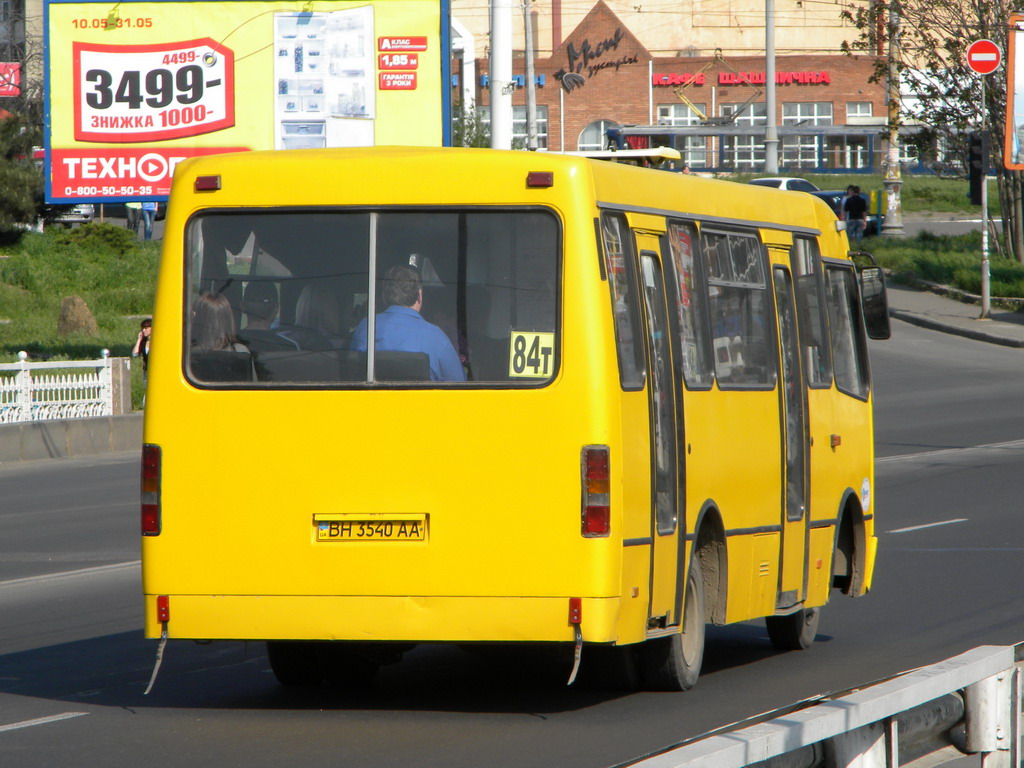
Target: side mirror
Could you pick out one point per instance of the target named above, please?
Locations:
(875, 303)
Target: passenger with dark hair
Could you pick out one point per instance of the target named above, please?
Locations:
(260, 306)
(401, 327)
(213, 325)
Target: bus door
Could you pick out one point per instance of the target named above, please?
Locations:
(665, 570)
(793, 412)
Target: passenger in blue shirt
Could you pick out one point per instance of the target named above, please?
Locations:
(401, 328)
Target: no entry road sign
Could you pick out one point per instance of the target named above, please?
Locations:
(984, 57)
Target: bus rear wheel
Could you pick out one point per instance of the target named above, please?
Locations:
(673, 663)
(298, 663)
(295, 663)
(795, 631)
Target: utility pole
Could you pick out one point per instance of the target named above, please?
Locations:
(893, 224)
(771, 134)
(501, 85)
(531, 87)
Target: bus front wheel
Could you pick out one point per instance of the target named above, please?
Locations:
(795, 631)
(673, 663)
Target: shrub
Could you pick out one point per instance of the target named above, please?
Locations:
(948, 259)
(99, 236)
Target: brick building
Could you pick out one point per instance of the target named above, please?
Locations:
(712, 108)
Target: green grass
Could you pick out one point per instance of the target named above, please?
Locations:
(101, 263)
(917, 193)
(953, 260)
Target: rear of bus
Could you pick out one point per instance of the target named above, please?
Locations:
(297, 488)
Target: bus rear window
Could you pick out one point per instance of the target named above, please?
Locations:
(307, 298)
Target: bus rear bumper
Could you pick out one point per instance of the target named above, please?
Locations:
(368, 619)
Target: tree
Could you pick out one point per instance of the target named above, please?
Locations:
(21, 181)
(468, 127)
(932, 37)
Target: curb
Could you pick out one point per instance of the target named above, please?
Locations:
(67, 438)
(970, 333)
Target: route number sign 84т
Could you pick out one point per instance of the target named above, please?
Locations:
(137, 93)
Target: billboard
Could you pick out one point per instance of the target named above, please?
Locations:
(134, 88)
(1013, 141)
(10, 78)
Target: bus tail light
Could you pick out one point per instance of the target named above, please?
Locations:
(575, 610)
(207, 183)
(596, 491)
(540, 179)
(163, 608)
(151, 522)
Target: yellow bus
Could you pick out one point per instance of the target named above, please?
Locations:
(659, 413)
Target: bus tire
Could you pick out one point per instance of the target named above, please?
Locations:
(795, 631)
(610, 668)
(295, 663)
(349, 664)
(673, 663)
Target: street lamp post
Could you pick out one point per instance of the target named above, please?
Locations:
(771, 134)
(501, 84)
(531, 87)
(893, 224)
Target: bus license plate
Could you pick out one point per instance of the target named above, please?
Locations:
(404, 529)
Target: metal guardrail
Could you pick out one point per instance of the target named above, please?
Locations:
(70, 389)
(969, 704)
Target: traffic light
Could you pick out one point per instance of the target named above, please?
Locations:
(978, 150)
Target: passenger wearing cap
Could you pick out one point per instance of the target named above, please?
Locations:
(260, 305)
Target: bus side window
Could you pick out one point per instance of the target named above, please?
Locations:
(849, 347)
(689, 295)
(622, 279)
(741, 332)
(806, 263)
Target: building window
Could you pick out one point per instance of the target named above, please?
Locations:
(680, 114)
(744, 152)
(807, 113)
(855, 109)
(909, 153)
(593, 137)
(519, 125)
(802, 151)
(847, 151)
(693, 148)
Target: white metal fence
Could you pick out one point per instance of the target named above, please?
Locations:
(70, 389)
(967, 705)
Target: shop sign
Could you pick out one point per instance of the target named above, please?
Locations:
(743, 78)
(589, 59)
(519, 80)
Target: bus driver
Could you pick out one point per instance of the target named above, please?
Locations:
(401, 328)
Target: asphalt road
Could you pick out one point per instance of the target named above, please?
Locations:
(73, 664)
(914, 224)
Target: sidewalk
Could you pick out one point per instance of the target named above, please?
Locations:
(949, 315)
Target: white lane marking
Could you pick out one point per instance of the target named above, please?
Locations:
(928, 525)
(947, 451)
(41, 721)
(70, 574)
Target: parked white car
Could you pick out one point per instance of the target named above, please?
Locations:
(786, 182)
